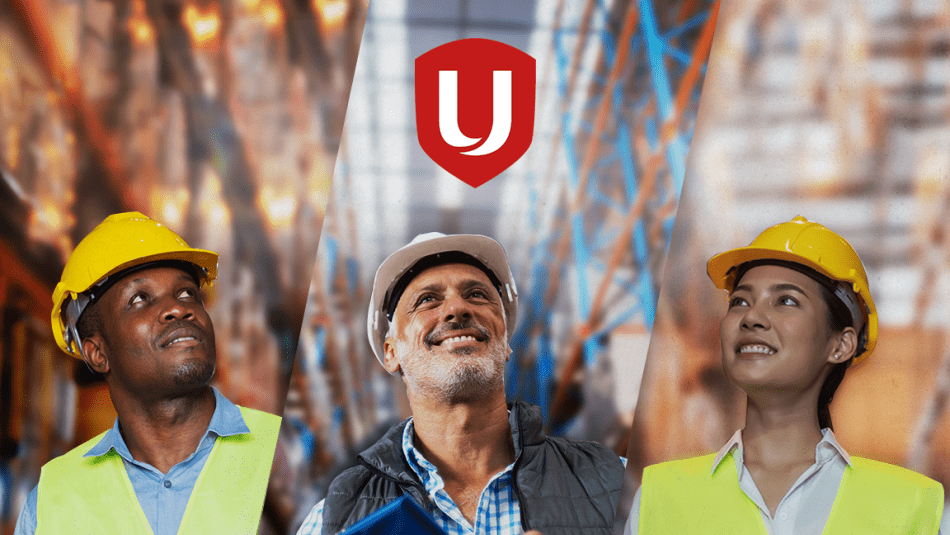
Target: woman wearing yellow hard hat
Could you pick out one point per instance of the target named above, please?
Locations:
(799, 314)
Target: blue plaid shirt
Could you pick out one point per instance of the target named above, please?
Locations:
(498, 511)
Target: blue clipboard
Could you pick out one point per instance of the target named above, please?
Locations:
(402, 516)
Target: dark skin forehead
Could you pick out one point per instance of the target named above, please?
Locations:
(90, 321)
(115, 299)
(134, 281)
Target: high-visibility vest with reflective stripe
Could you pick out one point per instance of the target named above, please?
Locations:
(93, 495)
(682, 497)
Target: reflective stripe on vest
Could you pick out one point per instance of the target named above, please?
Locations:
(682, 497)
(93, 495)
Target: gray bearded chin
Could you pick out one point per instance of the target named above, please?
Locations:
(466, 379)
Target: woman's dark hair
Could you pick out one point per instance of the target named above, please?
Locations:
(839, 318)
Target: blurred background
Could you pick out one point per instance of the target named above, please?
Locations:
(837, 111)
(219, 119)
(585, 216)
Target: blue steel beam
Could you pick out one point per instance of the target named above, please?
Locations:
(617, 166)
(676, 149)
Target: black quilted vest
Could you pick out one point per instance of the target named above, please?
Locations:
(563, 486)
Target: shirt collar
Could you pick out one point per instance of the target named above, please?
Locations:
(826, 449)
(225, 421)
(426, 471)
(423, 468)
(734, 442)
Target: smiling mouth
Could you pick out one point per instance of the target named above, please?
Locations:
(453, 340)
(755, 349)
(181, 335)
(457, 341)
(452, 334)
(181, 339)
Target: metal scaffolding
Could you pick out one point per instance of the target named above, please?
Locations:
(626, 153)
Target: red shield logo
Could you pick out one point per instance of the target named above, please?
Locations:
(475, 107)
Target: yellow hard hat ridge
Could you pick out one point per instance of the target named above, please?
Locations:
(812, 245)
(120, 242)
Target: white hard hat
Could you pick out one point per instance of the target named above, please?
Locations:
(430, 250)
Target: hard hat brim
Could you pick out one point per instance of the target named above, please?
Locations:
(204, 259)
(721, 268)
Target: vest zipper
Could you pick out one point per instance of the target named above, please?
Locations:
(519, 454)
(517, 488)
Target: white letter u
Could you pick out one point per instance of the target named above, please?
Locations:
(501, 113)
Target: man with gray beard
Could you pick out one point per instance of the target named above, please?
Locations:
(442, 313)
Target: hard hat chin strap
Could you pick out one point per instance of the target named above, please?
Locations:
(72, 309)
(850, 299)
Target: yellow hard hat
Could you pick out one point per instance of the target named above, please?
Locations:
(120, 242)
(814, 246)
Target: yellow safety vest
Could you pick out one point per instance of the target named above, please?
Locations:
(682, 497)
(93, 495)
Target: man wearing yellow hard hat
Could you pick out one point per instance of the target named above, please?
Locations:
(180, 458)
(799, 315)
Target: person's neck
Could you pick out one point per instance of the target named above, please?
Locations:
(164, 432)
(781, 432)
(467, 442)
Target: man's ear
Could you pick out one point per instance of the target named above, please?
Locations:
(94, 353)
(390, 362)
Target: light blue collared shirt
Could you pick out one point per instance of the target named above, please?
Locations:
(163, 497)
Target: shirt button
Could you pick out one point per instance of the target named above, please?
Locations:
(784, 516)
(168, 485)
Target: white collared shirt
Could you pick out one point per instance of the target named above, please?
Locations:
(805, 508)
